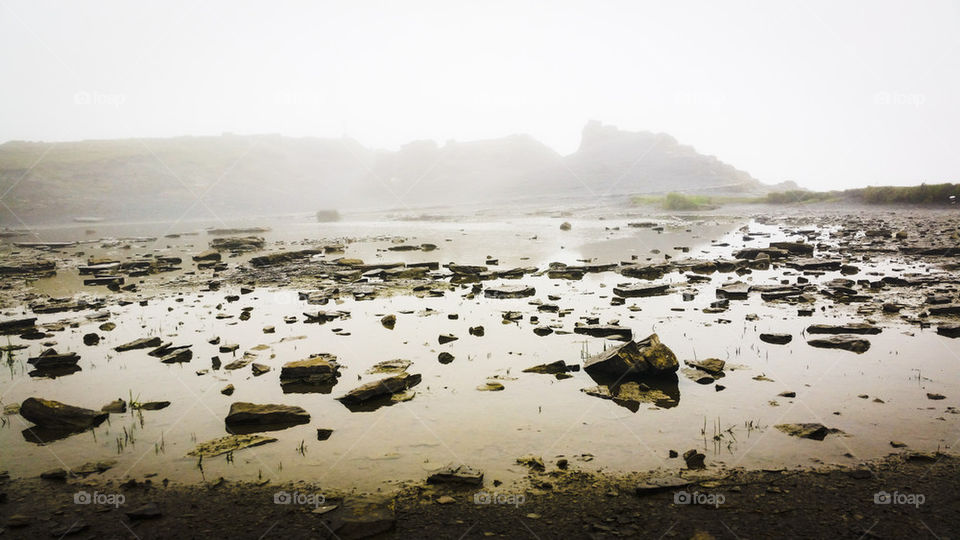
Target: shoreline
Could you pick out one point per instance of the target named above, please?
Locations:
(902, 494)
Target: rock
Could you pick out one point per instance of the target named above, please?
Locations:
(318, 369)
(398, 365)
(445, 357)
(177, 356)
(53, 414)
(787, 394)
(951, 330)
(230, 443)
(462, 270)
(229, 347)
(446, 338)
(648, 357)
(509, 291)
(324, 434)
(946, 309)
(446, 499)
(534, 462)
(389, 321)
(551, 369)
(620, 333)
(283, 257)
(641, 290)
(51, 360)
(490, 386)
(456, 474)
(776, 339)
(259, 369)
(543, 331)
(116, 407)
(565, 226)
(227, 390)
(794, 248)
(845, 342)
(91, 339)
(243, 415)
(237, 243)
(898, 444)
(383, 387)
(476, 331)
(734, 291)
(210, 255)
(152, 405)
(935, 397)
(57, 474)
(694, 459)
(713, 366)
(365, 518)
(659, 484)
(851, 328)
(269, 329)
(147, 511)
(141, 343)
(813, 431)
(17, 326)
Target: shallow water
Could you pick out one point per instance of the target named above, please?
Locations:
(449, 420)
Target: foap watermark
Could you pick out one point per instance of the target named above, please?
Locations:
(100, 99)
(885, 497)
(488, 497)
(297, 498)
(105, 499)
(705, 499)
(899, 99)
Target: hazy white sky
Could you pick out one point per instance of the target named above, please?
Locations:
(829, 94)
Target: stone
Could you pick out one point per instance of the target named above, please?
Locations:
(641, 290)
(259, 369)
(152, 405)
(490, 386)
(445, 357)
(648, 357)
(91, 339)
(476, 331)
(845, 342)
(318, 369)
(324, 434)
(397, 365)
(851, 328)
(610, 331)
(210, 255)
(812, 431)
(141, 343)
(509, 291)
(445, 499)
(116, 407)
(549, 369)
(713, 366)
(251, 414)
(951, 330)
(456, 474)
(659, 484)
(383, 387)
(532, 461)
(389, 321)
(776, 339)
(227, 390)
(51, 360)
(694, 459)
(230, 443)
(146, 511)
(446, 338)
(53, 414)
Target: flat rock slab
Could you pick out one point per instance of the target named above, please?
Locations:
(53, 414)
(845, 342)
(713, 366)
(776, 339)
(456, 474)
(950, 330)
(640, 290)
(851, 328)
(646, 357)
(813, 431)
(659, 484)
(734, 291)
(141, 343)
(509, 291)
(318, 369)
(383, 387)
(230, 443)
(604, 330)
(397, 365)
(247, 414)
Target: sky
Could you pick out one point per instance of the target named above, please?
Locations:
(830, 94)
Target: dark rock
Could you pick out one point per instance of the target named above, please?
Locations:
(476, 331)
(381, 388)
(713, 366)
(640, 290)
(446, 338)
(147, 511)
(845, 342)
(91, 339)
(318, 369)
(243, 414)
(550, 369)
(659, 484)
(951, 330)
(621, 333)
(456, 474)
(53, 414)
(141, 343)
(813, 431)
(51, 360)
(509, 291)
(647, 357)
(445, 357)
(389, 321)
(851, 328)
(694, 459)
(776, 339)
(116, 407)
(324, 434)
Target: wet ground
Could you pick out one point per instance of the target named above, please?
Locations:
(903, 389)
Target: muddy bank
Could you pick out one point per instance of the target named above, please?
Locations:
(900, 496)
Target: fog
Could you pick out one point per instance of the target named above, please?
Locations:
(828, 95)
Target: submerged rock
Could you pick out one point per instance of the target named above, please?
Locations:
(851, 328)
(509, 291)
(621, 333)
(813, 431)
(648, 357)
(230, 443)
(53, 414)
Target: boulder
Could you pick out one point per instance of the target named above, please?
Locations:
(53, 414)
(318, 369)
(648, 357)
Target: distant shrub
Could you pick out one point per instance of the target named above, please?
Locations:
(679, 201)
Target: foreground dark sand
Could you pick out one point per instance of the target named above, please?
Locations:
(922, 502)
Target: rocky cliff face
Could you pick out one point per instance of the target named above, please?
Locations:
(237, 175)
